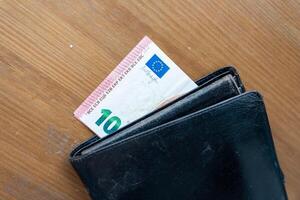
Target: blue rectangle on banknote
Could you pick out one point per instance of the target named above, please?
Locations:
(157, 66)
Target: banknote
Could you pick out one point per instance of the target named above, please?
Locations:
(144, 80)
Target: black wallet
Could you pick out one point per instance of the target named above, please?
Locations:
(214, 143)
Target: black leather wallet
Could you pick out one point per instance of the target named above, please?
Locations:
(213, 143)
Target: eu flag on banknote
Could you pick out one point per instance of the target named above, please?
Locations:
(157, 66)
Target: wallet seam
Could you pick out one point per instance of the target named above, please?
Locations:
(168, 124)
(230, 69)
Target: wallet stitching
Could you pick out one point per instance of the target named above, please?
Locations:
(166, 125)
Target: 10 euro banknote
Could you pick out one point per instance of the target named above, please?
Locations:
(143, 81)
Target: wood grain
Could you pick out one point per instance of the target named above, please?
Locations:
(54, 53)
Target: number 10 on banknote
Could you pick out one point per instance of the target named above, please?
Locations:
(109, 124)
(142, 82)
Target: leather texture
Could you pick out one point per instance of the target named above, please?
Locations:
(212, 143)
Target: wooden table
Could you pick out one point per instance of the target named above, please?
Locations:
(54, 53)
